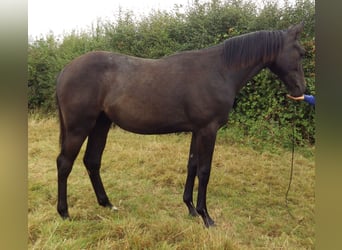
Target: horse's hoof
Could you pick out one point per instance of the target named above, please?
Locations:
(63, 213)
(208, 222)
(64, 216)
(193, 213)
(211, 224)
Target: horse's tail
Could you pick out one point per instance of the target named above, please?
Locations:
(61, 124)
(61, 120)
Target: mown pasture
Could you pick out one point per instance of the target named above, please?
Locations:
(144, 177)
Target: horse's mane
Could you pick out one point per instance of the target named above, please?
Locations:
(244, 50)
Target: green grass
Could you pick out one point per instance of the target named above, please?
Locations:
(144, 177)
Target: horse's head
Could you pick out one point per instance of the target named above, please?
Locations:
(287, 65)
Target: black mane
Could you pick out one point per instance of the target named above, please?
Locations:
(244, 50)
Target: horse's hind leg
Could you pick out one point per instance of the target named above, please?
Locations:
(92, 158)
(70, 148)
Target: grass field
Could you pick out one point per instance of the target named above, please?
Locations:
(144, 177)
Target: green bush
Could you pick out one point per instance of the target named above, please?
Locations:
(261, 109)
(43, 68)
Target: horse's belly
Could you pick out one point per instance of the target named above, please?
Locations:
(149, 119)
(142, 126)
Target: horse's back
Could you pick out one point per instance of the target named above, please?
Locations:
(105, 82)
(142, 95)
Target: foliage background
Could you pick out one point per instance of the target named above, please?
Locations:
(261, 112)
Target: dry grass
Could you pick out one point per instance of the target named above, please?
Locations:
(144, 177)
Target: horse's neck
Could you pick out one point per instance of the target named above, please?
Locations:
(245, 74)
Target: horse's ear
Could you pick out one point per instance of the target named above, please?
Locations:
(295, 30)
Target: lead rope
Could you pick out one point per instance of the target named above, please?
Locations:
(292, 163)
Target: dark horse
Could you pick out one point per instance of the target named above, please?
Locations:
(190, 91)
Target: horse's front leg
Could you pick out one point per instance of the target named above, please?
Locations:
(205, 143)
(190, 179)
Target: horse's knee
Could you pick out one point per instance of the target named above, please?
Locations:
(64, 166)
(92, 165)
(204, 175)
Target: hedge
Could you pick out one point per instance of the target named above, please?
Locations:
(260, 104)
